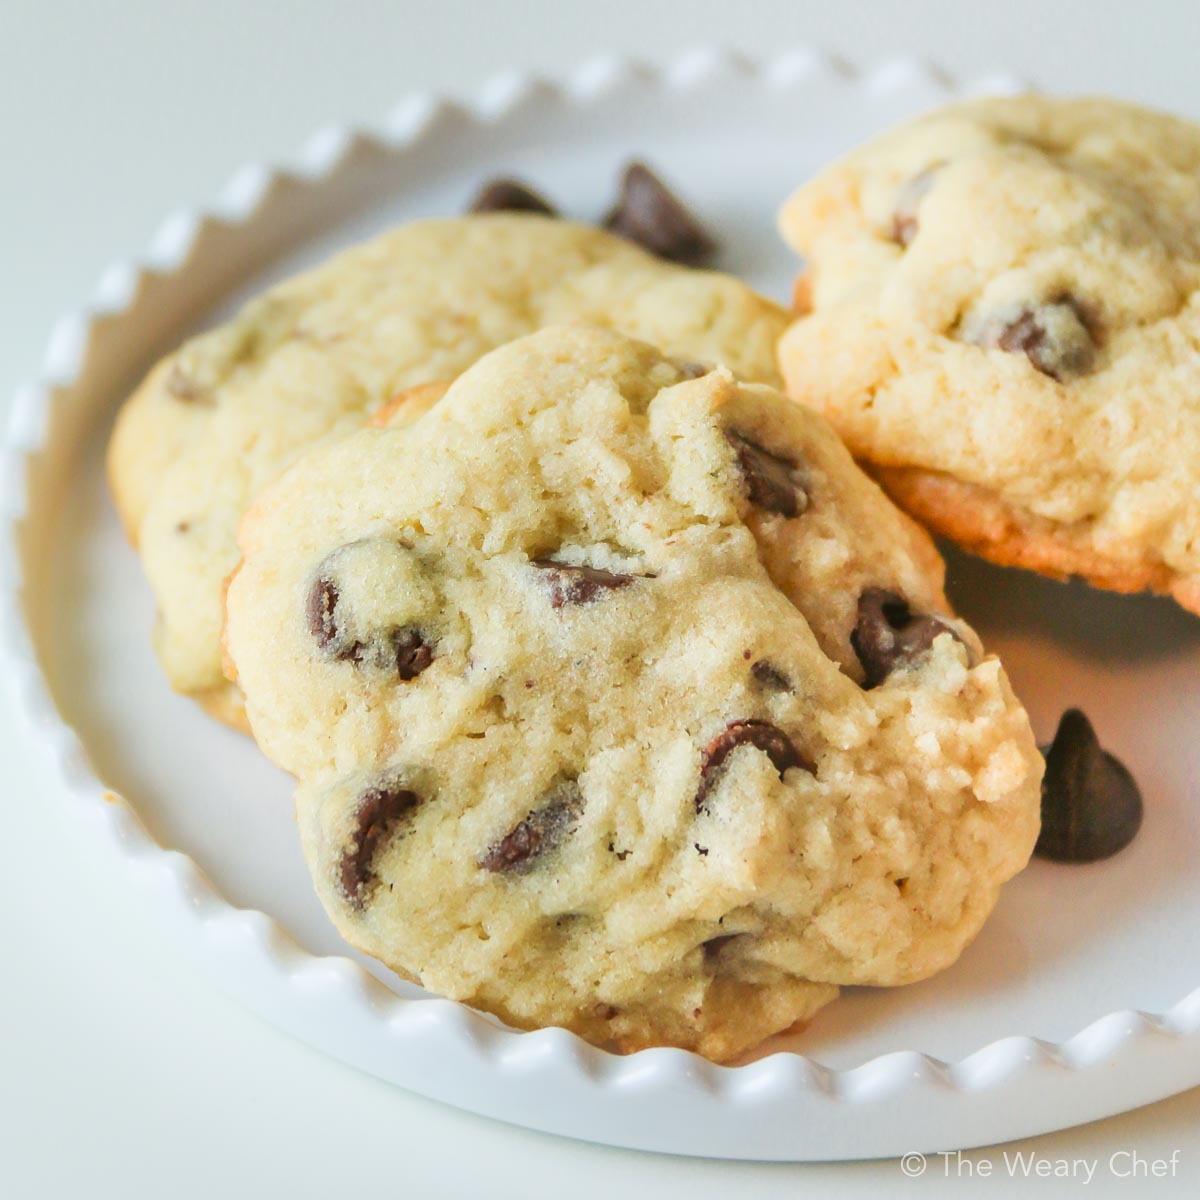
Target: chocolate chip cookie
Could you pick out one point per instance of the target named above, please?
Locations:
(317, 355)
(1005, 328)
(620, 699)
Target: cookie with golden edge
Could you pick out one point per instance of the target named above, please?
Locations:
(1005, 328)
(620, 699)
(317, 355)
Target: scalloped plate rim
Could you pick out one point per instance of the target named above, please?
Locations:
(214, 923)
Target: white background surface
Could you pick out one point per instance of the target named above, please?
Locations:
(122, 1072)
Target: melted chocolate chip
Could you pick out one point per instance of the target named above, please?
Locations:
(772, 482)
(379, 808)
(409, 651)
(403, 650)
(510, 195)
(571, 584)
(1091, 806)
(715, 945)
(890, 635)
(1054, 337)
(322, 603)
(905, 221)
(769, 676)
(542, 831)
(762, 735)
(648, 213)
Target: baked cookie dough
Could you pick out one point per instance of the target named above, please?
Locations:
(1005, 328)
(315, 356)
(619, 699)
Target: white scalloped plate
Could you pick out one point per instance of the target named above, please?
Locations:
(1080, 998)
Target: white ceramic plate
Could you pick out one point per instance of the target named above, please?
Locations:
(1080, 998)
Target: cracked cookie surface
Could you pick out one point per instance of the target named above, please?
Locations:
(315, 356)
(694, 737)
(1005, 328)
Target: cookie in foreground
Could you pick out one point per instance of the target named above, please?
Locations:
(315, 356)
(1005, 328)
(620, 699)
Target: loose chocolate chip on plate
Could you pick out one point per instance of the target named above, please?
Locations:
(648, 213)
(510, 195)
(379, 808)
(905, 221)
(772, 482)
(762, 735)
(569, 583)
(1091, 806)
(888, 634)
(542, 831)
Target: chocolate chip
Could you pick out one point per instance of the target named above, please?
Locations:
(905, 221)
(410, 652)
(762, 735)
(772, 482)
(648, 213)
(183, 387)
(568, 583)
(379, 808)
(322, 624)
(1091, 806)
(510, 195)
(404, 650)
(542, 831)
(889, 634)
(714, 945)
(769, 676)
(1055, 337)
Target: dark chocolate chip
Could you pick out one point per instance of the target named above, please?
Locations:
(762, 735)
(1055, 337)
(322, 624)
(1091, 806)
(542, 831)
(715, 945)
(379, 808)
(772, 482)
(568, 583)
(410, 652)
(889, 634)
(648, 213)
(510, 195)
(769, 676)
(905, 222)
(404, 650)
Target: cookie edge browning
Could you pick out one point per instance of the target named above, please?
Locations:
(980, 521)
(409, 405)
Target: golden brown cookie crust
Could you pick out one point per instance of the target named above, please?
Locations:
(406, 406)
(981, 522)
(1005, 300)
